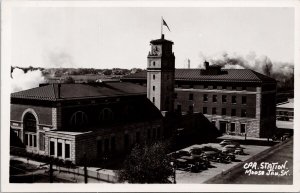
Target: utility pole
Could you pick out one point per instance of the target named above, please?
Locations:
(85, 169)
(51, 172)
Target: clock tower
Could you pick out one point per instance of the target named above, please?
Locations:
(160, 74)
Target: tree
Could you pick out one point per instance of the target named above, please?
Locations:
(147, 164)
(69, 80)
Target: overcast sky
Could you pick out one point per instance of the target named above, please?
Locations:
(119, 37)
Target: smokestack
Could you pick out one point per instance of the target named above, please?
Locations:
(206, 64)
(189, 64)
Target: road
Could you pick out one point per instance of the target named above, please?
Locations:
(281, 155)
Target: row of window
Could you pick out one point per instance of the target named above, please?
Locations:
(214, 111)
(213, 87)
(224, 111)
(215, 98)
(233, 127)
(30, 139)
(60, 148)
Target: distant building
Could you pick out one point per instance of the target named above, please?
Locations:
(285, 115)
(237, 101)
(68, 120)
(285, 111)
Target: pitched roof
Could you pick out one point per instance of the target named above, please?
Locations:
(79, 91)
(228, 75)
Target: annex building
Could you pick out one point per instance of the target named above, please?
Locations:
(69, 120)
(236, 101)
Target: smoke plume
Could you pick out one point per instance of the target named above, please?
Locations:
(261, 64)
(22, 81)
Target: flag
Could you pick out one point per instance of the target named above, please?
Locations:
(165, 24)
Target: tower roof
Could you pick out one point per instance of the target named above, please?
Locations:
(162, 40)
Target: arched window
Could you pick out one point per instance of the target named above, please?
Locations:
(79, 120)
(106, 115)
(29, 122)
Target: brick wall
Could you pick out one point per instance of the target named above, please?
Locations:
(44, 113)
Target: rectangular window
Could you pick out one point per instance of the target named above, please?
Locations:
(214, 86)
(233, 112)
(224, 87)
(106, 145)
(179, 108)
(243, 128)
(233, 99)
(30, 140)
(113, 143)
(67, 150)
(244, 88)
(214, 98)
(232, 127)
(214, 111)
(59, 149)
(224, 98)
(204, 110)
(233, 87)
(191, 108)
(153, 99)
(153, 76)
(34, 140)
(26, 139)
(243, 113)
(191, 96)
(223, 111)
(153, 88)
(205, 86)
(99, 147)
(52, 148)
(191, 86)
(205, 97)
(42, 141)
(244, 100)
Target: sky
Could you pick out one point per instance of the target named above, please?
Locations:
(98, 37)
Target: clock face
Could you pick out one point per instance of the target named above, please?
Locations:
(156, 50)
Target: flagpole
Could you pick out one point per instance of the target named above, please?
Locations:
(161, 26)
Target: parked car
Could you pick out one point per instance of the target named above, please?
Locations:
(229, 149)
(181, 163)
(229, 142)
(183, 153)
(239, 151)
(196, 151)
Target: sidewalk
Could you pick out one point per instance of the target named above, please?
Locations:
(95, 175)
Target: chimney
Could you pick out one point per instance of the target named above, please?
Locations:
(162, 36)
(189, 64)
(206, 64)
(58, 90)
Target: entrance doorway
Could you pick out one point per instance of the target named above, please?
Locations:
(223, 126)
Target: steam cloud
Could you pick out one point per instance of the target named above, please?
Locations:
(21, 80)
(59, 58)
(261, 64)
